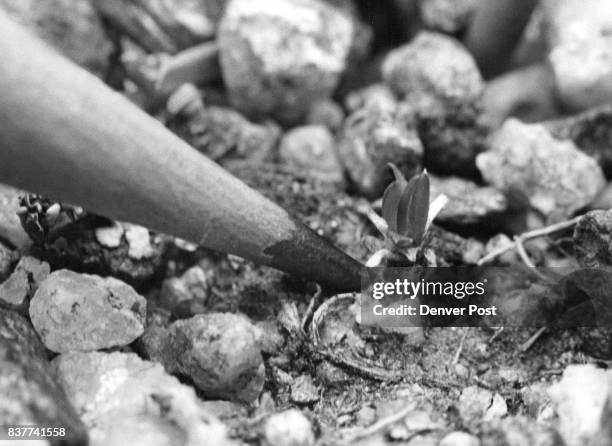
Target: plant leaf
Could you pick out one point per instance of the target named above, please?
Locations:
(391, 198)
(413, 208)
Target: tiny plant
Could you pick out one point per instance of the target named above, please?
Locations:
(406, 216)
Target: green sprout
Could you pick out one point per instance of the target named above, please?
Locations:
(406, 216)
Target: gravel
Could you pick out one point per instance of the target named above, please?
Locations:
(72, 311)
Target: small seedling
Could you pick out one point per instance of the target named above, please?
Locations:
(407, 215)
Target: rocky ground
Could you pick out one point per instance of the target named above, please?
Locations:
(126, 336)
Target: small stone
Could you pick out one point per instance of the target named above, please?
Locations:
(468, 203)
(535, 398)
(121, 397)
(581, 401)
(497, 409)
(289, 428)
(591, 131)
(187, 293)
(330, 374)
(459, 438)
(278, 57)
(71, 27)
(374, 136)
(139, 242)
(304, 391)
(474, 403)
(83, 312)
(433, 65)
(498, 242)
(313, 149)
(551, 176)
(7, 257)
(16, 291)
(110, 236)
(327, 113)
(448, 16)
(10, 226)
(160, 26)
(31, 394)
(220, 352)
(581, 50)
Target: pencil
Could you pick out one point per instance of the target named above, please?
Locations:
(65, 134)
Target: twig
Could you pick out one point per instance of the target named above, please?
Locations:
(496, 334)
(527, 344)
(527, 236)
(379, 425)
(460, 348)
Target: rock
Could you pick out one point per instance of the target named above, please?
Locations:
(591, 131)
(110, 236)
(449, 16)
(304, 391)
(278, 57)
(527, 94)
(377, 96)
(122, 398)
(72, 311)
(477, 404)
(535, 398)
(220, 352)
(313, 149)
(71, 27)
(10, 226)
(374, 136)
(7, 257)
(187, 294)
(433, 65)
(553, 177)
(161, 26)
(30, 392)
(581, 51)
(593, 240)
(289, 428)
(581, 400)
(468, 203)
(16, 291)
(139, 242)
(220, 131)
(459, 438)
(327, 113)
(518, 431)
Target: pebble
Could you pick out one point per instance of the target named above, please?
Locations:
(374, 136)
(278, 57)
(497, 242)
(581, 50)
(593, 241)
(591, 131)
(433, 65)
(468, 202)
(327, 113)
(477, 404)
(30, 391)
(10, 226)
(16, 291)
(186, 294)
(289, 428)
(553, 177)
(304, 390)
(160, 26)
(448, 16)
(312, 148)
(581, 399)
(110, 236)
(72, 311)
(126, 400)
(139, 242)
(7, 257)
(459, 438)
(219, 352)
(71, 27)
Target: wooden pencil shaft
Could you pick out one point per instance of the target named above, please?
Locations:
(65, 134)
